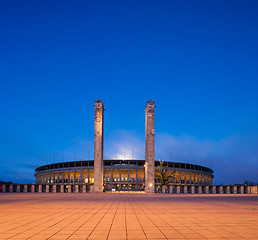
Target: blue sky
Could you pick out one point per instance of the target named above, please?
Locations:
(197, 60)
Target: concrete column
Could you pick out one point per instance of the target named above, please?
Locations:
(248, 189)
(235, 189)
(180, 178)
(62, 177)
(190, 178)
(91, 188)
(192, 189)
(68, 176)
(178, 189)
(194, 181)
(207, 190)
(149, 147)
(214, 189)
(185, 189)
(200, 189)
(69, 188)
(32, 188)
(47, 188)
(228, 189)
(84, 188)
(136, 179)
(62, 188)
(111, 179)
(40, 188)
(57, 177)
(53, 178)
(76, 188)
(74, 177)
(80, 176)
(170, 189)
(98, 146)
(25, 188)
(185, 178)
(11, 188)
(88, 178)
(242, 189)
(54, 188)
(198, 179)
(18, 188)
(4, 188)
(174, 179)
(221, 190)
(119, 179)
(128, 183)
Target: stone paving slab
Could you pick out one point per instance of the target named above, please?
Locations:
(127, 216)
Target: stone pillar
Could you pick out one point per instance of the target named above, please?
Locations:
(221, 190)
(62, 188)
(178, 189)
(74, 177)
(128, 182)
(98, 146)
(228, 189)
(18, 188)
(57, 177)
(242, 189)
(69, 188)
(192, 189)
(149, 147)
(91, 188)
(40, 188)
(25, 188)
(84, 188)
(68, 176)
(76, 188)
(185, 189)
(180, 178)
(11, 188)
(111, 179)
(248, 189)
(53, 178)
(214, 190)
(194, 181)
(190, 178)
(54, 188)
(200, 189)
(62, 177)
(163, 189)
(235, 189)
(136, 179)
(32, 188)
(4, 188)
(47, 188)
(88, 179)
(120, 180)
(170, 189)
(207, 190)
(198, 179)
(185, 178)
(80, 176)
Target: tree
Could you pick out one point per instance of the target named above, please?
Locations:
(162, 174)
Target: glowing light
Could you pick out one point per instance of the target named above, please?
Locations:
(150, 184)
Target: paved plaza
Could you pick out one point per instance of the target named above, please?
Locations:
(127, 216)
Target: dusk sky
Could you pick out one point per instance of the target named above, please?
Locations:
(198, 60)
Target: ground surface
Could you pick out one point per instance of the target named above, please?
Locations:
(127, 216)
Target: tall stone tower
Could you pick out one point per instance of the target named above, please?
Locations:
(149, 147)
(98, 146)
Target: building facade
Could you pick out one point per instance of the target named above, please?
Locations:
(120, 175)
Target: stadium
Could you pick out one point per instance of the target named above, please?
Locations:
(120, 175)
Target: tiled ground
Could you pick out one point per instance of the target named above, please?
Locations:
(127, 216)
